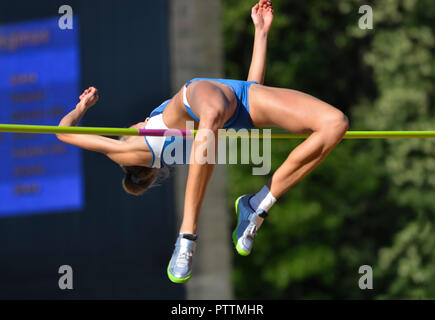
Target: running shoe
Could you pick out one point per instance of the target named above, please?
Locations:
(180, 266)
(248, 223)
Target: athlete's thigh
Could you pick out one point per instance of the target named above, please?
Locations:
(288, 109)
(204, 94)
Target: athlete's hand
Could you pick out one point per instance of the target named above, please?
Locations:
(88, 98)
(262, 15)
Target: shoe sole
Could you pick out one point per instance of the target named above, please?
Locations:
(239, 249)
(174, 279)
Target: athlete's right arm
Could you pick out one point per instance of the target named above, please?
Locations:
(90, 142)
(262, 17)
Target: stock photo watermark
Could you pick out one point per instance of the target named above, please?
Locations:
(66, 21)
(366, 280)
(66, 280)
(207, 148)
(366, 20)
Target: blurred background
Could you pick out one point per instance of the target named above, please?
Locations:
(369, 203)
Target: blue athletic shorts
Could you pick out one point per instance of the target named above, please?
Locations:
(241, 118)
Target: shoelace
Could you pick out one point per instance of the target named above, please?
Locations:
(251, 230)
(183, 258)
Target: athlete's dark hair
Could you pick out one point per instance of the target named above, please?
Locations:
(138, 179)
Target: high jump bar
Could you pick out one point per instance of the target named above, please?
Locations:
(19, 128)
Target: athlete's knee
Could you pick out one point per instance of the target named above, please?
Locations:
(336, 123)
(212, 116)
(340, 124)
(335, 126)
(211, 103)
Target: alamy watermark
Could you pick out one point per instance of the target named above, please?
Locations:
(66, 280)
(366, 280)
(207, 148)
(366, 20)
(66, 21)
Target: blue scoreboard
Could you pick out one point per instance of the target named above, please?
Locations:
(39, 84)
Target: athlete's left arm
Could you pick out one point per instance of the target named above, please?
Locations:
(262, 17)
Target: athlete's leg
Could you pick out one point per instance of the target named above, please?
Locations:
(213, 106)
(210, 103)
(297, 112)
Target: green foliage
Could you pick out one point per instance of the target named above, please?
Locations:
(369, 202)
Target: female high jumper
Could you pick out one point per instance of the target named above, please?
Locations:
(213, 104)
